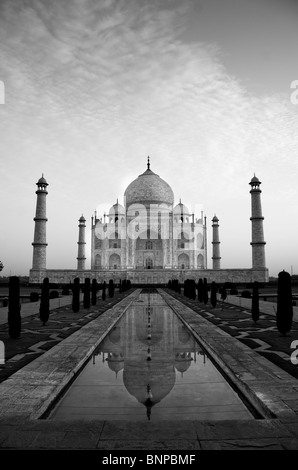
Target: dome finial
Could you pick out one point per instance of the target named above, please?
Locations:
(148, 163)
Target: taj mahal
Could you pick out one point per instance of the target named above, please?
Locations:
(149, 239)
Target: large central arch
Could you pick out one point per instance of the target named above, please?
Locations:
(149, 251)
(114, 261)
(183, 261)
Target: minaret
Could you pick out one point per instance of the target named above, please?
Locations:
(216, 244)
(205, 242)
(40, 219)
(81, 244)
(257, 234)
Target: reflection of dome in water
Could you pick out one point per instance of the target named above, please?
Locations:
(148, 188)
(182, 362)
(115, 362)
(160, 379)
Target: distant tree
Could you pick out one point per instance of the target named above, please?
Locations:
(65, 291)
(54, 294)
(223, 295)
(87, 293)
(44, 308)
(255, 310)
(126, 285)
(76, 295)
(94, 289)
(111, 288)
(14, 308)
(200, 290)
(205, 291)
(284, 314)
(53, 285)
(186, 288)
(104, 286)
(213, 297)
(34, 296)
(246, 294)
(192, 289)
(233, 292)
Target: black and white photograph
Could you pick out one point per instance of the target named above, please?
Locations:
(148, 235)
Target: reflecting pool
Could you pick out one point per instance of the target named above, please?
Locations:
(150, 367)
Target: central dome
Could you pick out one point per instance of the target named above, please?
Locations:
(148, 188)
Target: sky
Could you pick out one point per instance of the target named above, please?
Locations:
(90, 88)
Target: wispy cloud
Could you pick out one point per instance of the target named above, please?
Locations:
(93, 87)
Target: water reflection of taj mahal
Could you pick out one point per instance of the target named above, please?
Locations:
(151, 366)
(149, 346)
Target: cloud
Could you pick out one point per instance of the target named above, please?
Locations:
(96, 70)
(93, 87)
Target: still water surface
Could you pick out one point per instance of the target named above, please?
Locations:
(150, 367)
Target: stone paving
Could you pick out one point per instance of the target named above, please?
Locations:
(265, 307)
(32, 308)
(261, 336)
(27, 394)
(36, 338)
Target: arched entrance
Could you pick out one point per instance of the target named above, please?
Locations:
(114, 261)
(200, 262)
(183, 261)
(149, 251)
